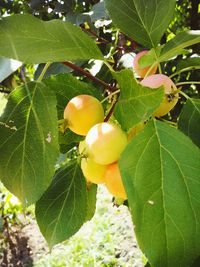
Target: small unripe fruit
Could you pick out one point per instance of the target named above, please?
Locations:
(113, 181)
(141, 72)
(82, 112)
(93, 171)
(105, 142)
(170, 99)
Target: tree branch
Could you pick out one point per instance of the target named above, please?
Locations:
(110, 111)
(90, 76)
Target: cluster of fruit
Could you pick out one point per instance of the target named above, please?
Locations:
(152, 80)
(105, 141)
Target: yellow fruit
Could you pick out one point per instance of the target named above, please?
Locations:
(170, 99)
(82, 112)
(141, 72)
(105, 142)
(82, 148)
(113, 181)
(93, 171)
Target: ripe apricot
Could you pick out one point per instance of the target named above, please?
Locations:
(170, 99)
(141, 72)
(93, 171)
(105, 142)
(82, 112)
(113, 181)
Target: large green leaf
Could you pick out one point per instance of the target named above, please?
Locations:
(136, 103)
(66, 87)
(29, 141)
(28, 39)
(178, 43)
(143, 20)
(193, 62)
(62, 209)
(189, 121)
(161, 172)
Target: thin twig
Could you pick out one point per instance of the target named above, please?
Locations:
(90, 76)
(185, 69)
(110, 111)
(192, 82)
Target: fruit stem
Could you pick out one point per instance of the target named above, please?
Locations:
(110, 95)
(159, 68)
(183, 70)
(43, 71)
(190, 82)
(169, 122)
(154, 64)
(90, 76)
(108, 65)
(184, 94)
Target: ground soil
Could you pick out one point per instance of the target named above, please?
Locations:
(22, 245)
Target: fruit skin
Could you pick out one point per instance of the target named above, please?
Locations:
(113, 181)
(82, 112)
(105, 142)
(82, 148)
(170, 100)
(93, 171)
(142, 71)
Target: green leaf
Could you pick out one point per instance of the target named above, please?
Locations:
(68, 140)
(175, 46)
(143, 20)
(7, 67)
(161, 172)
(66, 87)
(62, 209)
(53, 69)
(189, 121)
(150, 58)
(28, 39)
(91, 201)
(69, 137)
(136, 103)
(29, 141)
(188, 62)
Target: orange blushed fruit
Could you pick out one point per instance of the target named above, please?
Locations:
(113, 181)
(82, 112)
(170, 99)
(141, 72)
